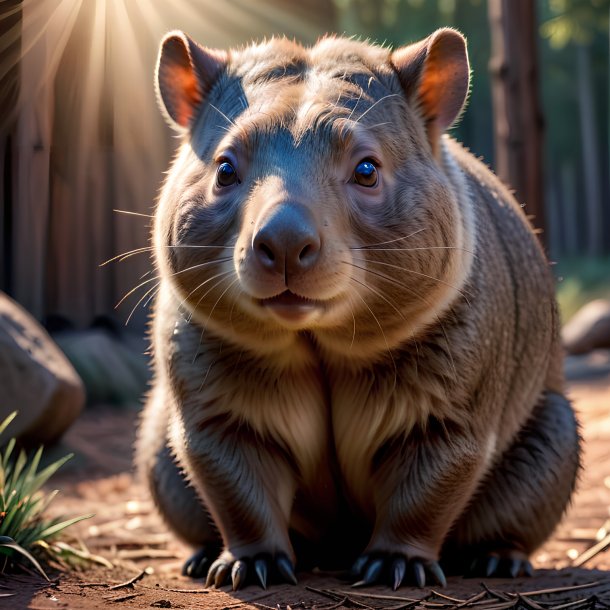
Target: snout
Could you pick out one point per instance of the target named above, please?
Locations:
(287, 243)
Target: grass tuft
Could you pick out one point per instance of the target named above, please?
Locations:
(24, 529)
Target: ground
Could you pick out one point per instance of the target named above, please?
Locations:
(572, 568)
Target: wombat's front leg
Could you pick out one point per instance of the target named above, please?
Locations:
(421, 484)
(248, 488)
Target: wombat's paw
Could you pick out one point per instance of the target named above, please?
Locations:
(196, 566)
(396, 569)
(503, 564)
(247, 569)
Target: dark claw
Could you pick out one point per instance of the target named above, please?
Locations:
(285, 568)
(399, 569)
(238, 574)
(528, 570)
(419, 573)
(371, 573)
(514, 567)
(261, 569)
(221, 574)
(196, 565)
(492, 565)
(373, 570)
(438, 573)
(209, 581)
(358, 566)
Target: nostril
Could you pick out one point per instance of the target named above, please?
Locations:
(304, 252)
(267, 251)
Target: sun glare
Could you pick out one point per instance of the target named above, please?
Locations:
(88, 135)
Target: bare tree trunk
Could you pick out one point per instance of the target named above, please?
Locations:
(518, 116)
(590, 153)
(10, 34)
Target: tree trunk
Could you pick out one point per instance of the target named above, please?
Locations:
(518, 124)
(590, 153)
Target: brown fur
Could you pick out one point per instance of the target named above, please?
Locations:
(406, 394)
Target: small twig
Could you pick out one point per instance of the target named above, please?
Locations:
(574, 604)
(591, 552)
(131, 581)
(396, 598)
(497, 594)
(472, 600)
(529, 603)
(448, 597)
(501, 606)
(248, 601)
(93, 584)
(328, 594)
(562, 589)
(122, 598)
(333, 606)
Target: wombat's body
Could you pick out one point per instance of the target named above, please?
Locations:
(355, 337)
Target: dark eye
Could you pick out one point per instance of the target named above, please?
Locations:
(226, 174)
(365, 173)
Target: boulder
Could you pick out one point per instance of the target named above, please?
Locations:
(589, 329)
(36, 379)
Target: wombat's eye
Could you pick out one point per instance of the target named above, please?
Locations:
(226, 174)
(365, 173)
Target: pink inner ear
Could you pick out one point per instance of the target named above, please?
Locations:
(444, 80)
(187, 96)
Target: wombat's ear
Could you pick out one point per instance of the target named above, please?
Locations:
(185, 74)
(435, 74)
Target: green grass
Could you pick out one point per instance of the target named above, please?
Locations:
(580, 280)
(24, 528)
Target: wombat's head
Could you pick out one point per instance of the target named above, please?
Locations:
(311, 192)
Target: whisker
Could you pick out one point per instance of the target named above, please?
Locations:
(351, 309)
(129, 213)
(390, 241)
(219, 298)
(351, 114)
(125, 255)
(155, 287)
(222, 114)
(205, 378)
(430, 277)
(221, 275)
(369, 249)
(205, 325)
(130, 253)
(200, 246)
(394, 281)
(379, 294)
(191, 268)
(385, 97)
(385, 339)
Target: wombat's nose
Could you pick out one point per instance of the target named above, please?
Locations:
(288, 241)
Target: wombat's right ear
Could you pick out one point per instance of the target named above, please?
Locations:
(435, 75)
(185, 74)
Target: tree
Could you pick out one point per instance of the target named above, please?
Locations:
(518, 123)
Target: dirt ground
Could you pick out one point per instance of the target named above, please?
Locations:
(572, 568)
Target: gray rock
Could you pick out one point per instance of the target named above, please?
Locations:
(589, 329)
(36, 379)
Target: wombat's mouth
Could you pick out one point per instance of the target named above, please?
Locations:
(290, 307)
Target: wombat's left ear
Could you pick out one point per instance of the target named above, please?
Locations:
(185, 74)
(435, 74)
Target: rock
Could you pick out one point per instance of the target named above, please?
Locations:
(36, 379)
(111, 363)
(589, 329)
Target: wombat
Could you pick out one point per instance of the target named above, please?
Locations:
(355, 337)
